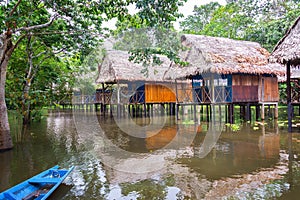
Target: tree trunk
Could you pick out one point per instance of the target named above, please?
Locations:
(5, 137)
(26, 104)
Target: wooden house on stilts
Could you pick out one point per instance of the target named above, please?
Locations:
(134, 85)
(229, 72)
(287, 52)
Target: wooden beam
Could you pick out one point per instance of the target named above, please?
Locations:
(276, 111)
(262, 111)
(289, 95)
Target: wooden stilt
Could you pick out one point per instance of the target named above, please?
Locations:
(262, 112)
(226, 113)
(145, 110)
(213, 113)
(220, 113)
(162, 109)
(257, 112)
(210, 112)
(276, 111)
(207, 113)
(105, 109)
(132, 110)
(231, 113)
(177, 111)
(123, 110)
(139, 110)
(248, 112)
(111, 109)
(172, 108)
(195, 113)
(152, 109)
(289, 95)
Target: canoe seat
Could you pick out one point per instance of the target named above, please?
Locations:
(44, 180)
(10, 196)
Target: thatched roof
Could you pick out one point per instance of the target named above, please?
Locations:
(226, 56)
(117, 68)
(203, 53)
(288, 48)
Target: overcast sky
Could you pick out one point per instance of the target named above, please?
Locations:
(186, 10)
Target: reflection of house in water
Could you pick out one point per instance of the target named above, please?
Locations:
(246, 155)
(140, 136)
(269, 145)
(161, 138)
(243, 152)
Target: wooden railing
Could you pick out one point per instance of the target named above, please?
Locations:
(222, 94)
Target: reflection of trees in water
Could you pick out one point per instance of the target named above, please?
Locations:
(5, 172)
(38, 149)
(89, 178)
(247, 157)
(146, 189)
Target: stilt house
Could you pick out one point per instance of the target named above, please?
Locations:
(133, 83)
(287, 52)
(223, 70)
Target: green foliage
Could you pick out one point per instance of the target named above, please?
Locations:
(234, 127)
(55, 36)
(264, 22)
(188, 122)
(147, 45)
(195, 23)
(146, 189)
(159, 13)
(53, 80)
(149, 33)
(282, 92)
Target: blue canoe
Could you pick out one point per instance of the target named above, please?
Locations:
(38, 187)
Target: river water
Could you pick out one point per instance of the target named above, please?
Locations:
(156, 157)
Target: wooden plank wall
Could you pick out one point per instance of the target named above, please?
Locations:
(271, 93)
(249, 80)
(245, 88)
(245, 93)
(253, 88)
(156, 93)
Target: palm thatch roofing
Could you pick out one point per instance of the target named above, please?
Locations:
(203, 53)
(116, 67)
(288, 48)
(226, 56)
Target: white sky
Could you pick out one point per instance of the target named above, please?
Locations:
(186, 10)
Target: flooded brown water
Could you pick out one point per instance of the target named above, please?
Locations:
(157, 158)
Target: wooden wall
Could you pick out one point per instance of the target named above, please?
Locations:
(268, 90)
(155, 93)
(254, 88)
(245, 88)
